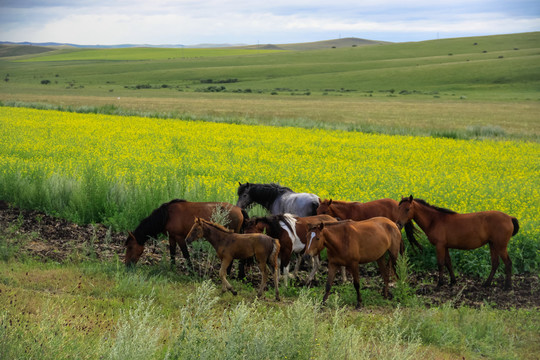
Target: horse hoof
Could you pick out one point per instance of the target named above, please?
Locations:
(234, 292)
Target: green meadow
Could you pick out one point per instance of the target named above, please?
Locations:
(479, 88)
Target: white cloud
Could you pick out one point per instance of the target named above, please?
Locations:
(279, 21)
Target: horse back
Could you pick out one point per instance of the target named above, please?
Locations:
(303, 224)
(300, 204)
(361, 241)
(472, 230)
(182, 215)
(362, 211)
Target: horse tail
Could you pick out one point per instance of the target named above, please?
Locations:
(516, 226)
(275, 253)
(153, 224)
(411, 231)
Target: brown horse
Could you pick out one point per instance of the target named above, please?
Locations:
(176, 218)
(350, 243)
(447, 229)
(291, 232)
(230, 246)
(362, 211)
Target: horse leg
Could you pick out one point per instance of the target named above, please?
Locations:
(225, 285)
(356, 282)
(440, 264)
(241, 268)
(383, 269)
(180, 240)
(494, 264)
(276, 278)
(297, 266)
(314, 268)
(332, 269)
(448, 263)
(172, 250)
(508, 268)
(344, 274)
(264, 272)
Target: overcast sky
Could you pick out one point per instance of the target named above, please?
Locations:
(189, 22)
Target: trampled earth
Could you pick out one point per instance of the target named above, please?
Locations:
(54, 239)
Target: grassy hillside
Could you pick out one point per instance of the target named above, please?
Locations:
(391, 88)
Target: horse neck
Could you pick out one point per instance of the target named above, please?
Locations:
(267, 197)
(341, 210)
(425, 216)
(213, 234)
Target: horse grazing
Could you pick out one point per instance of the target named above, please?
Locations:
(447, 229)
(362, 211)
(230, 246)
(277, 199)
(176, 218)
(291, 233)
(350, 243)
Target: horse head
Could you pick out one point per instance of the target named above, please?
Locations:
(244, 198)
(196, 231)
(325, 208)
(405, 211)
(255, 225)
(134, 250)
(313, 239)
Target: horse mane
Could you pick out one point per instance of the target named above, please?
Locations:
(441, 209)
(264, 194)
(217, 226)
(153, 224)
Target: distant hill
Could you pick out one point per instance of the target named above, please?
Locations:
(317, 45)
(18, 50)
(26, 48)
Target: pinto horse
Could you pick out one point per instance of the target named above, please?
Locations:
(362, 211)
(447, 229)
(350, 243)
(230, 246)
(291, 233)
(277, 199)
(176, 218)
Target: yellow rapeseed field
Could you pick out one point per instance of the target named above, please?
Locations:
(156, 160)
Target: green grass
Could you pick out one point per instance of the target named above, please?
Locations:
(141, 53)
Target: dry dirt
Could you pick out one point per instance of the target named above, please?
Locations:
(49, 238)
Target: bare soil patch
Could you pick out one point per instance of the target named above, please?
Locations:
(53, 239)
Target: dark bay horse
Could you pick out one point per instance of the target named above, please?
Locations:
(362, 211)
(350, 243)
(447, 229)
(230, 246)
(291, 232)
(176, 218)
(277, 199)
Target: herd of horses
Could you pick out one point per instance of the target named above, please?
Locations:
(353, 233)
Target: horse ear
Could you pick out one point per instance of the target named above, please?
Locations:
(321, 226)
(330, 202)
(410, 198)
(239, 183)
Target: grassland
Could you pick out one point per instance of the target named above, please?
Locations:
(114, 167)
(451, 87)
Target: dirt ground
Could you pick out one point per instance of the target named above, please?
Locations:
(49, 238)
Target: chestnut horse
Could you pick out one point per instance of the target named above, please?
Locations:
(176, 218)
(447, 229)
(230, 246)
(362, 211)
(350, 243)
(291, 233)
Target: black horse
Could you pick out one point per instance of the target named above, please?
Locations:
(277, 199)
